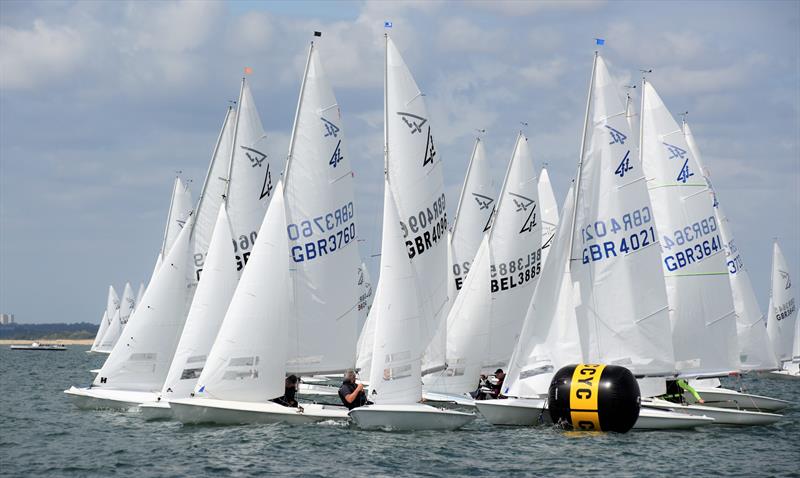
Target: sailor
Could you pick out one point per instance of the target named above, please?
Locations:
(290, 389)
(351, 393)
(675, 389)
(497, 388)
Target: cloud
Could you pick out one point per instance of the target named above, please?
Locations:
(42, 54)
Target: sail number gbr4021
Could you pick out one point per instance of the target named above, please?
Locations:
(336, 227)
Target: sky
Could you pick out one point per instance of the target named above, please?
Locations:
(102, 102)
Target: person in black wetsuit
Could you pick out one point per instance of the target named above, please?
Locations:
(288, 399)
(351, 393)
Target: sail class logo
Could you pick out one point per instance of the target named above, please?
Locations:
(483, 201)
(330, 129)
(256, 157)
(523, 203)
(785, 276)
(616, 136)
(413, 121)
(430, 151)
(675, 152)
(266, 188)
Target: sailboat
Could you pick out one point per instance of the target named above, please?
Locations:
(484, 321)
(412, 288)
(549, 206)
(604, 300)
(701, 305)
(782, 324)
(119, 320)
(138, 363)
(755, 349)
(294, 311)
(112, 304)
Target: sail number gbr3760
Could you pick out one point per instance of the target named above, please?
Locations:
(336, 227)
(425, 228)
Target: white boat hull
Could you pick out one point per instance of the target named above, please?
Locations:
(784, 375)
(448, 398)
(408, 417)
(721, 416)
(726, 398)
(159, 410)
(227, 412)
(515, 411)
(654, 419)
(99, 398)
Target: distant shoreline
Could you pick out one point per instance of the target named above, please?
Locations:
(47, 341)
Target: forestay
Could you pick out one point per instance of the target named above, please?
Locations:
(621, 304)
(755, 349)
(248, 359)
(782, 312)
(700, 299)
(322, 230)
(141, 358)
(473, 213)
(210, 302)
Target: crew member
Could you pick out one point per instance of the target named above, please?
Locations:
(675, 389)
(351, 393)
(290, 389)
(497, 388)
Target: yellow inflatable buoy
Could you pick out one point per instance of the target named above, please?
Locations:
(594, 397)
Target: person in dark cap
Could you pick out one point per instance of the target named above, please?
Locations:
(288, 399)
(351, 393)
(497, 387)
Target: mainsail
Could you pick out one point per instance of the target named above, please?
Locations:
(699, 292)
(755, 349)
(549, 214)
(120, 319)
(412, 291)
(782, 311)
(621, 304)
(473, 215)
(112, 304)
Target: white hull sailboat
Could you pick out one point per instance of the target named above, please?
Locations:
(533, 411)
(721, 416)
(725, 398)
(411, 294)
(415, 416)
(233, 412)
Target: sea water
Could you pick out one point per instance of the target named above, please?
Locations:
(43, 434)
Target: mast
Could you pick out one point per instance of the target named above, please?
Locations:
(297, 116)
(464, 186)
(582, 156)
(386, 107)
(211, 166)
(235, 138)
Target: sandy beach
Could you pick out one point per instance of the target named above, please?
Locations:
(48, 342)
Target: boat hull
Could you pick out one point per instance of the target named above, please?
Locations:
(227, 412)
(721, 416)
(784, 375)
(515, 411)
(725, 398)
(103, 399)
(655, 419)
(435, 397)
(408, 417)
(159, 410)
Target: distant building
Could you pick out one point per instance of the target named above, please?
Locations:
(6, 319)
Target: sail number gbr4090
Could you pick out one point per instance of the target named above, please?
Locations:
(426, 228)
(336, 227)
